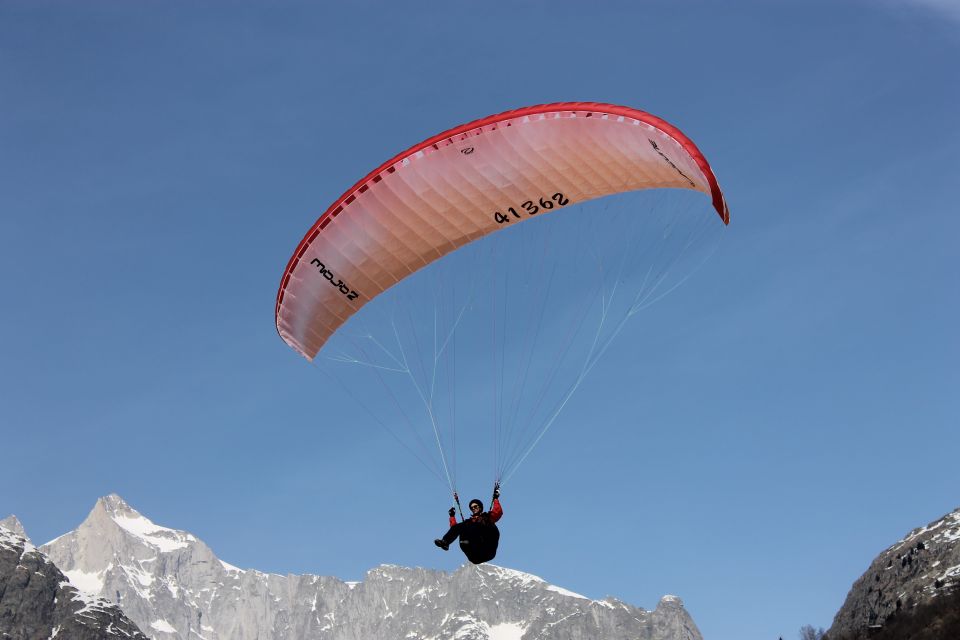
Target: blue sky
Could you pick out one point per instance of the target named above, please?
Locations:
(770, 427)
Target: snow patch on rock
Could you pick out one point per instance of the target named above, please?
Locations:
(163, 626)
(87, 582)
(507, 631)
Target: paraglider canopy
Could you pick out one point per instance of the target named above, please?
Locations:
(466, 183)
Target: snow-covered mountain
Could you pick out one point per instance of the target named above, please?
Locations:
(174, 587)
(37, 601)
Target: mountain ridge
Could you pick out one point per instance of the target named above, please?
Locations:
(174, 587)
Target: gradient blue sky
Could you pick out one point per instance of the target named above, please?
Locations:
(772, 427)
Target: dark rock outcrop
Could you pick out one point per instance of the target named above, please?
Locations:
(909, 575)
(37, 601)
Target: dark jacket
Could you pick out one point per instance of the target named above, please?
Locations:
(479, 536)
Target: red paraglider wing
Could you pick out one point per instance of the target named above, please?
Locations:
(466, 183)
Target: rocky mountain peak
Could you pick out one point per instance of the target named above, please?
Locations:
(113, 505)
(10, 539)
(946, 530)
(670, 602)
(11, 523)
(116, 526)
(915, 570)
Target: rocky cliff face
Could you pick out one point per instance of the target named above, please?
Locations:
(174, 587)
(918, 568)
(13, 525)
(37, 602)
